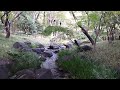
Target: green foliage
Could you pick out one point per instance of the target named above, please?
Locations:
(1, 26)
(94, 19)
(83, 68)
(26, 25)
(38, 26)
(24, 60)
(60, 15)
(48, 30)
(6, 44)
(1, 13)
(64, 52)
(79, 23)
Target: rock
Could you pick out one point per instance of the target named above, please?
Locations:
(56, 51)
(40, 45)
(53, 47)
(4, 72)
(38, 50)
(24, 74)
(5, 68)
(27, 50)
(85, 42)
(47, 54)
(28, 43)
(62, 47)
(68, 45)
(43, 74)
(21, 46)
(33, 74)
(42, 58)
(85, 48)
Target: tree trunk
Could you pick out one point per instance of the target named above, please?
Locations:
(7, 25)
(98, 31)
(88, 18)
(44, 20)
(88, 36)
(83, 30)
(37, 16)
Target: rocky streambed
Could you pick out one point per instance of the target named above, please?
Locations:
(48, 69)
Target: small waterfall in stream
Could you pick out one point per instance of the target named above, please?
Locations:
(50, 63)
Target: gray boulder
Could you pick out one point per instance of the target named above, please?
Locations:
(85, 48)
(28, 43)
(47, 54)
(21, 46)
(38, 45)
(33, 74)
(68, 45)
(43, 74)
(24, 74)
(56, 51)
(4, 72)
(53, 47)
(62, 47)
(5, 68)
(38, 50)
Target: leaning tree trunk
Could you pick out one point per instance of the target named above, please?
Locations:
(88, 36)
(83, 30)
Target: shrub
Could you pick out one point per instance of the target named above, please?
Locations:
(26, 24)
(64, 53)
(48, 30)
(39, 27)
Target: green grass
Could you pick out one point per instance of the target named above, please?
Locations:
(5, 44)
(84, 68)
(24, 60)
(106, 54)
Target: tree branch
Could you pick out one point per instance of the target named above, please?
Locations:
(16, 16)
(37, 16)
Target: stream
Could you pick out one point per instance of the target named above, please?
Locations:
(50, 63)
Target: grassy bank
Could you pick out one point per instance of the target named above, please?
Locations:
(98, 64)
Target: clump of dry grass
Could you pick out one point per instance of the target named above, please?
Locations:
(81, 67)
(105, 53)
